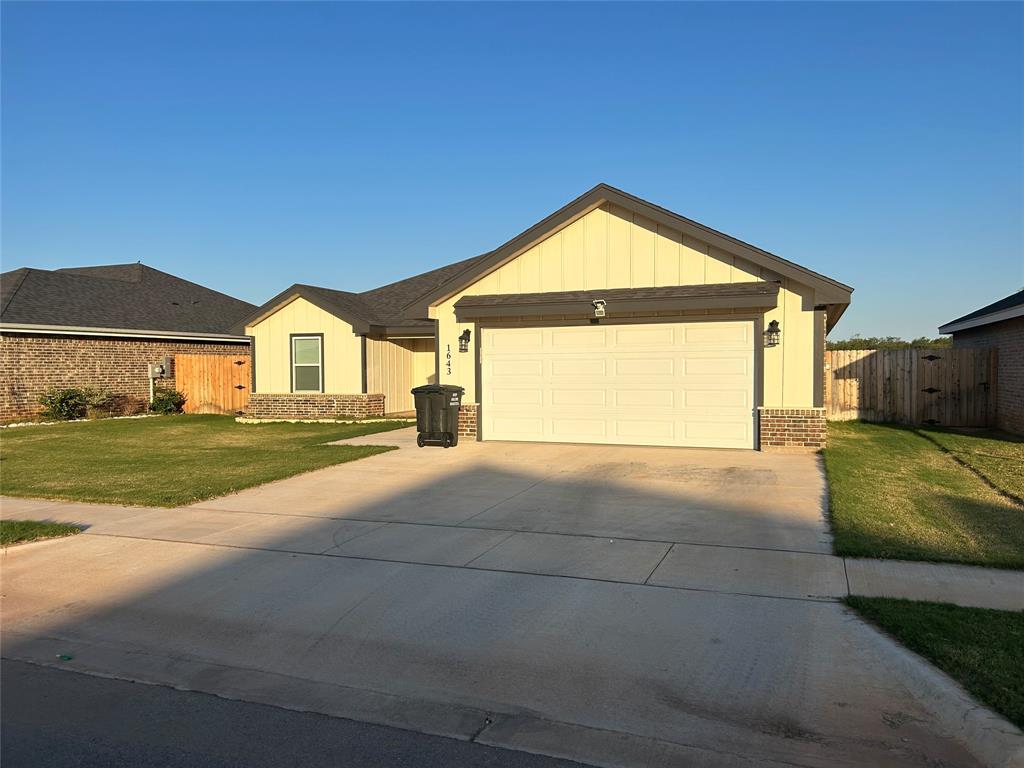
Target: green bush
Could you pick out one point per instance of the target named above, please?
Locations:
(100, 401)
(167, 401)
(64, 404)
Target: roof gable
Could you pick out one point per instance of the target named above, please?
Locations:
(826, 290)
(370, 311)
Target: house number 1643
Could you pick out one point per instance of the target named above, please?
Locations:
(448, 359)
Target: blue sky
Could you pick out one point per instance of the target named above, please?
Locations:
(250, 146)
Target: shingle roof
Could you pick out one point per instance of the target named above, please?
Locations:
(117, 296)
(389, 301)
(1012, 301)
(384, 306)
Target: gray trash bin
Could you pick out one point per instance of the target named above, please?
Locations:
(437, 414)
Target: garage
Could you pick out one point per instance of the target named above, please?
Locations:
(669, 384)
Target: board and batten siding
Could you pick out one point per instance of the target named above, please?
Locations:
(395, 366)
(272, 342)
(611, 247)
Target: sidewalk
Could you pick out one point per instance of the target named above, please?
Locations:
(963, 585)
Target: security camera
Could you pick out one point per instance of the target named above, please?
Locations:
(598, 307)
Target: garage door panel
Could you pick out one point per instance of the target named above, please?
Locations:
(717, 335)
(583, 398)
(516, 367)
(645, 398)
(578, 338)
(717, 366)
(583, 367)
(641, 336)
(646, 429)
(718, 398)
(572, 429)
(520, 426)
(518, 396)
(630, 384)
(523, 338)
(640, 366)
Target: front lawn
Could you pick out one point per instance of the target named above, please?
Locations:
(168, 461)
(23, 531)
(983, 650)
(896, 493)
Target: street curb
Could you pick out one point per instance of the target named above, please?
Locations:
(992, 739)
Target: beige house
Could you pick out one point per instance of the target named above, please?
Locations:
(610, 321)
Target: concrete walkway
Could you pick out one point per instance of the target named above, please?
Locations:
(677, 565)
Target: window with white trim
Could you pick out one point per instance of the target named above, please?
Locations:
(307, 364)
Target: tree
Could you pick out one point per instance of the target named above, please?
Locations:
(889, 342)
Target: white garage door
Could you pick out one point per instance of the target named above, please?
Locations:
(689, 384)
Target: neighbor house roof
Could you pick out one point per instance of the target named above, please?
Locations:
(405, 305)
(127, 298)
(1004, 309)
(751, 295)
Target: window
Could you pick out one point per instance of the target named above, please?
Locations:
(307, 363)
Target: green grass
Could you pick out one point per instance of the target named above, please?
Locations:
(895, 493)
(22, 531)
(983, 650)
(169, 460)
(999, 461)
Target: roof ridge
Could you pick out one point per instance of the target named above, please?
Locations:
(17, 286)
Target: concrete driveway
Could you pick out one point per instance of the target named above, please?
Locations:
(619, 606)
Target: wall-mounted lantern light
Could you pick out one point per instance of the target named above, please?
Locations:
(772, 334)
(464, 341)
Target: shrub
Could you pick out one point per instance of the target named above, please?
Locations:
(167, 401)
(101, 401)
(64, 404)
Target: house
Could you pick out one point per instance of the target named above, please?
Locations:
(999, 326)
(101, 327)
(611, 321)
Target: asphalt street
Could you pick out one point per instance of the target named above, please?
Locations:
(53, 718)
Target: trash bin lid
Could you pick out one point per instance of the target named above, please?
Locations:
(437, 389)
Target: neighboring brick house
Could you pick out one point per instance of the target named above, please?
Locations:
(101, 327)
(999, 326)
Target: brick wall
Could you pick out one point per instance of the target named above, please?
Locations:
(1007, 338)
(32, 364)
(265, 405)
(792, 428)
(468, 413)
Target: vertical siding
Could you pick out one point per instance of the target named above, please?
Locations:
(611, 247)
(395, 366)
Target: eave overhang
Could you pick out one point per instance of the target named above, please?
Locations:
(138, 333)
(757, 296)
(987, 319)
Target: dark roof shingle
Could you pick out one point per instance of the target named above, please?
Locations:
(1011, 301)
(122, 296)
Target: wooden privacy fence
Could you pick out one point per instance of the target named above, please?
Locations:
(213, 383)
(944, 387)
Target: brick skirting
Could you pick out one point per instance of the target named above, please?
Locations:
(792, 428)
(468, 420)
(31, 364)
(264, 405)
